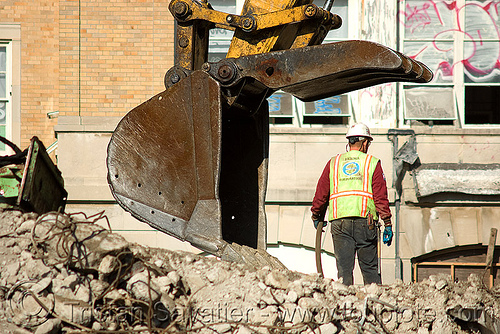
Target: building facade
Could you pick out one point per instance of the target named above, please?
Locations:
(69, 70)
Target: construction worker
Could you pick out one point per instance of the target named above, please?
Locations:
(353, 188)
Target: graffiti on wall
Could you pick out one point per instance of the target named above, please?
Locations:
(432, 29)
(376, 105)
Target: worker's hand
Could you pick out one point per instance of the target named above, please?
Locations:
(387, 238)
(316, 223)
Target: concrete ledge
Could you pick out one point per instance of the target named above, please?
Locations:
(86, 124)
(332, 130)
(99, 124)
(435, 130)
(10, 31)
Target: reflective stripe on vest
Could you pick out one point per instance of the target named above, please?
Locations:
(351, 193)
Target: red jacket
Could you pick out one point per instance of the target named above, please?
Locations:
(379, 187)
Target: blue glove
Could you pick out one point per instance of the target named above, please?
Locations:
(387, 238)
(316, 222)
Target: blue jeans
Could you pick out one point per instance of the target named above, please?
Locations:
(351, 235)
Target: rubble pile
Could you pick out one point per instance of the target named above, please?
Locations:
(68, 274)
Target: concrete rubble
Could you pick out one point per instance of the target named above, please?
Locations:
(70, 274)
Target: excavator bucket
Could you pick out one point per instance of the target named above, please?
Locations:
(192, 160)
(166, 167)
(166, 172)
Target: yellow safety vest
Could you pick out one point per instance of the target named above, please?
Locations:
(351, 193)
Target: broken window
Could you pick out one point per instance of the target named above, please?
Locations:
(429, 103)
(481, 104)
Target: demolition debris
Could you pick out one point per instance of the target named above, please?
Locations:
(70, 274)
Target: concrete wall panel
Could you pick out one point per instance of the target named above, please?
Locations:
(310, 161)
(490, 218)
(382, 149)
(405, 250)
(84, 165)
(465, 228)
(407, 271)
(387, 271)
(441, 228)
(448, 152)
(481, 153)
(297, 161)
(290, 224)
(386, 251)
(308, 235)
(282, 164)
(412, 223)
(272, 213)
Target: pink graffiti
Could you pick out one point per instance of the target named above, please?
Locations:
(428, 16)
(379, 90)
(416, 17)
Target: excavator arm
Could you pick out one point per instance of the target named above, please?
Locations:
(192, 160)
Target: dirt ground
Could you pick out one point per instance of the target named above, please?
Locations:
(70, 274)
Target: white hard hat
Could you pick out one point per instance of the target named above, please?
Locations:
(359, 130)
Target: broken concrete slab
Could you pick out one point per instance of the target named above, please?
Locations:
(470, 179)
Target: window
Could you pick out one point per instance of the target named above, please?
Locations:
(481, 104)
(429, 38)
(10, 84)
(481, 62)
(459, 41)
(432, 105)
(332, 110)
(5, 86)
(281, 108)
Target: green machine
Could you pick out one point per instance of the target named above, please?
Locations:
(30, 181)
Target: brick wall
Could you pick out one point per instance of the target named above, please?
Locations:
(88, 57)
(39, 64)
(114, 54)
